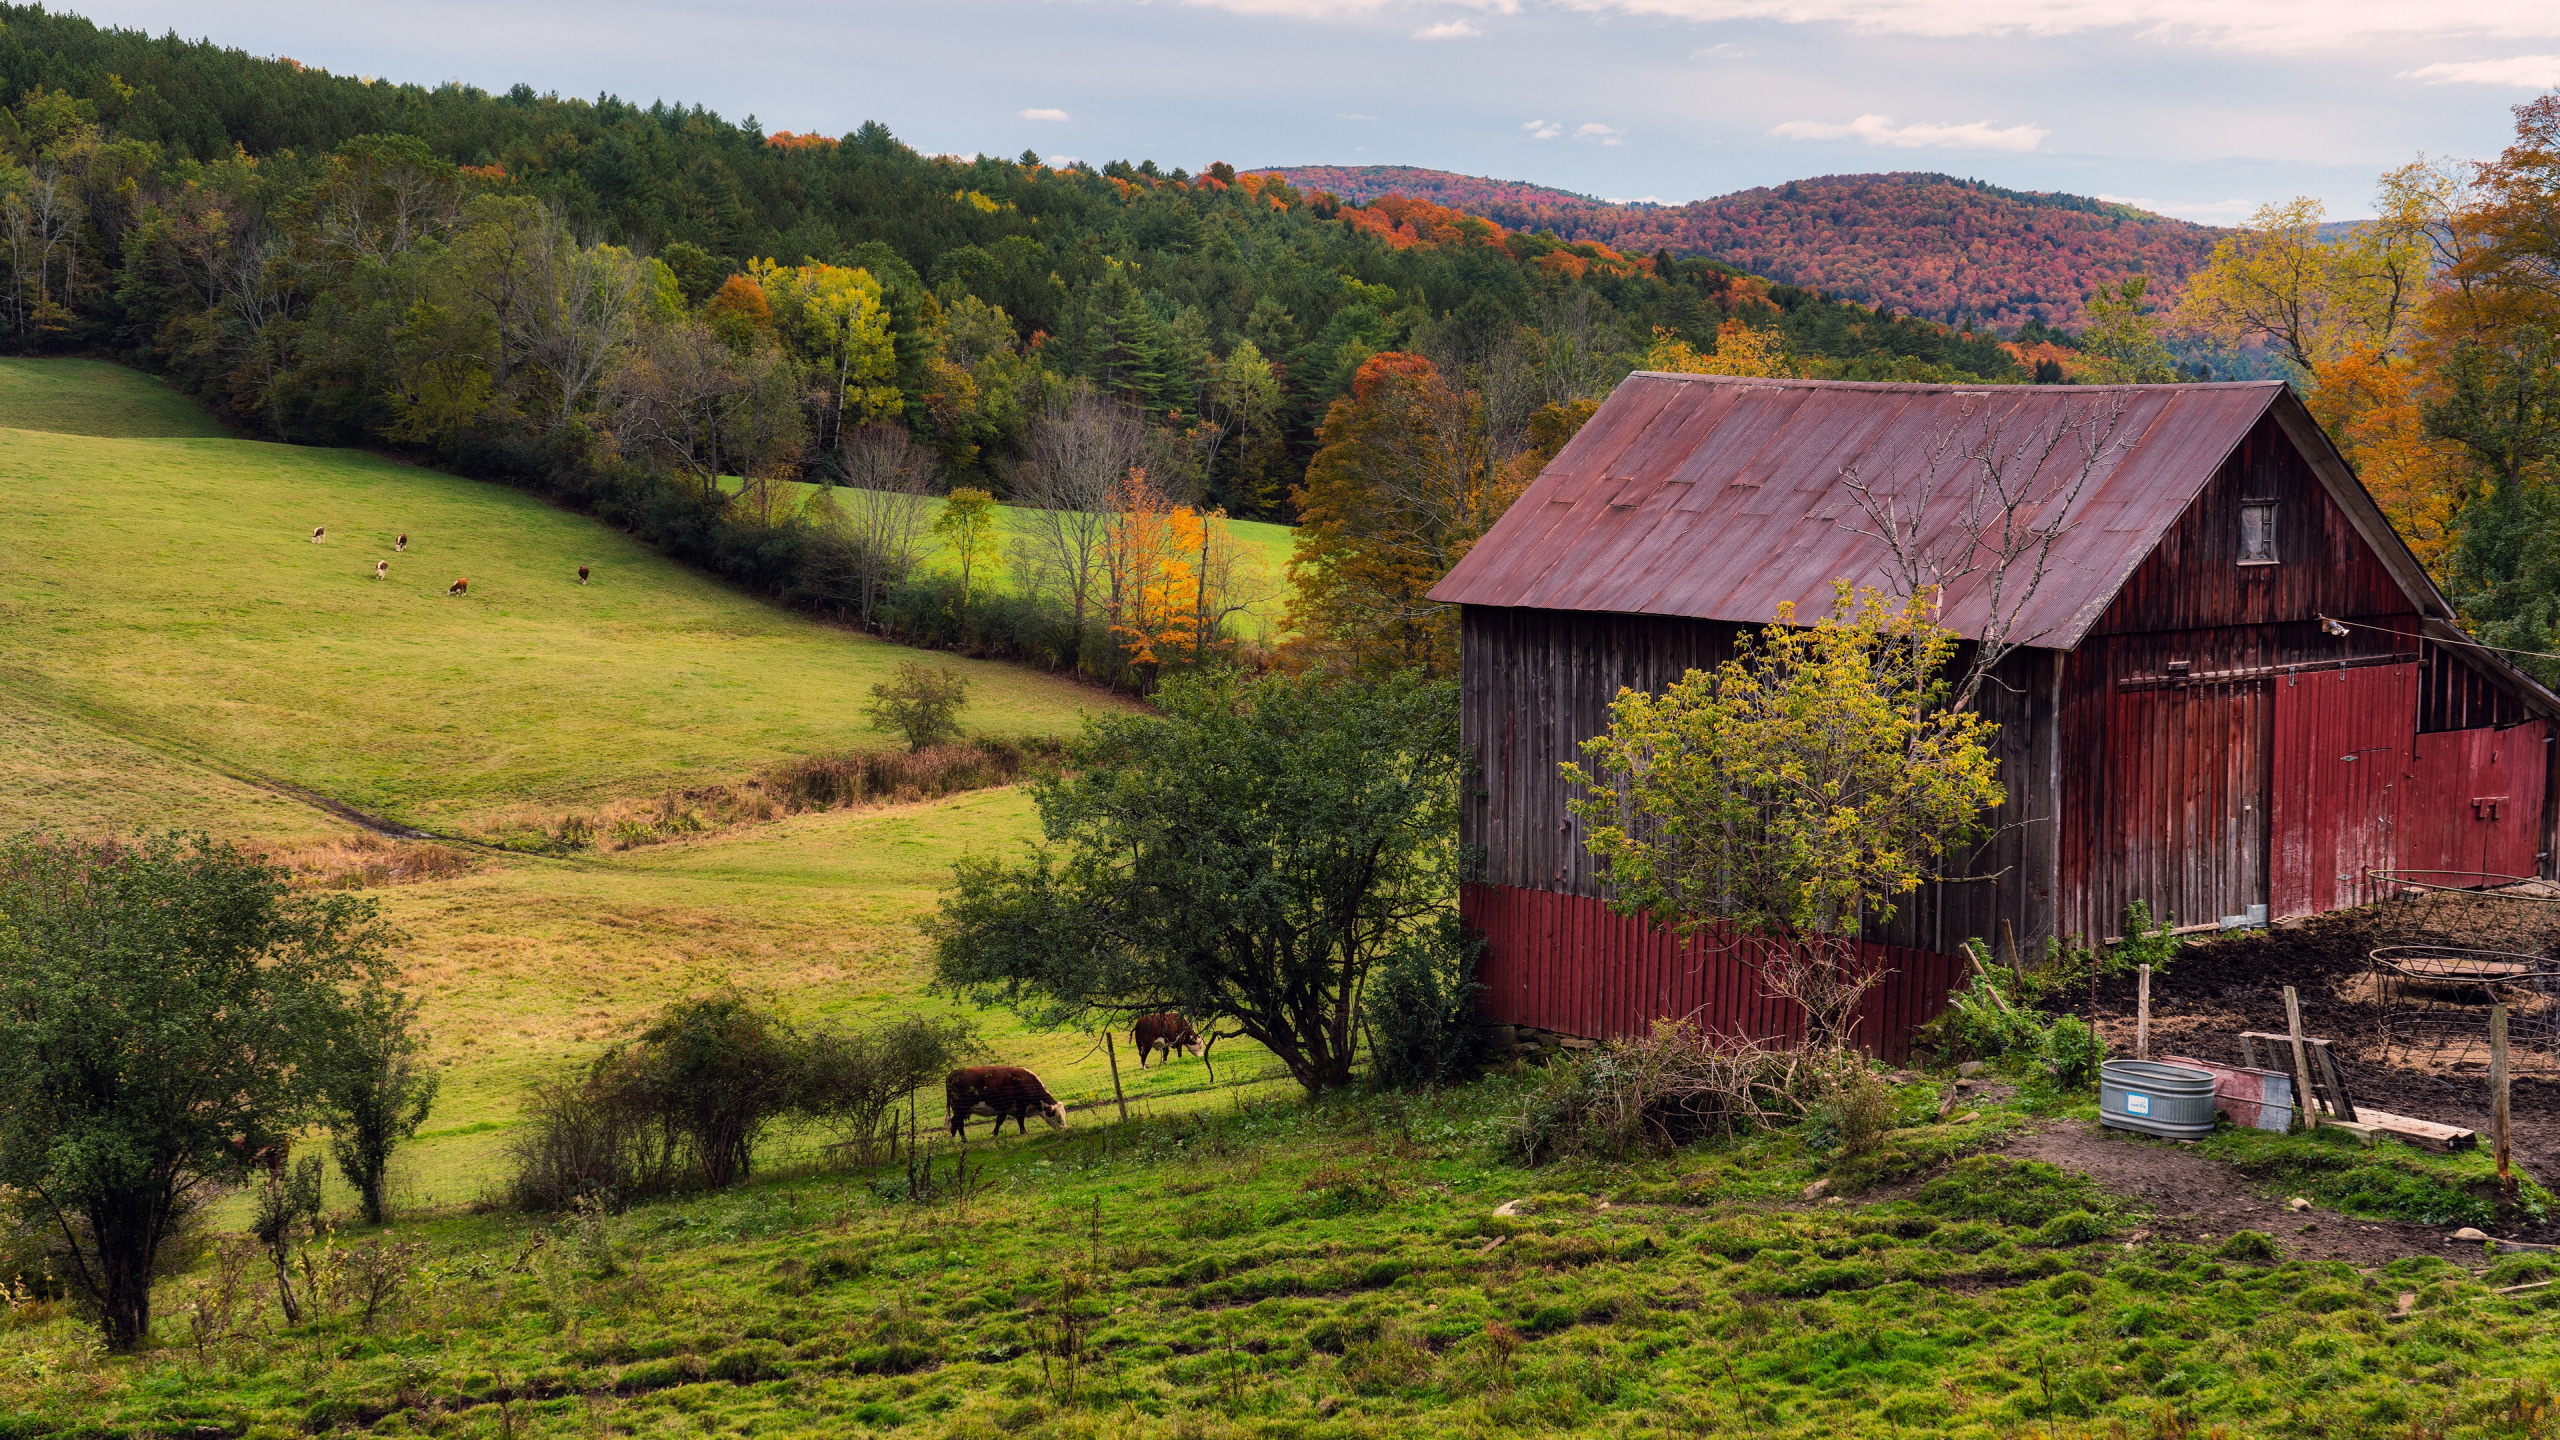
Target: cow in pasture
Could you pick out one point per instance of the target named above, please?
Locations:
(1008, 1092)
(402, 543)
(582, 574)
(458, 587)
(1168, 1032)
(319, 533)
(381, 569)
(270, 1158)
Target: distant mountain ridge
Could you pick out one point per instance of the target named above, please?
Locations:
(1923, 243)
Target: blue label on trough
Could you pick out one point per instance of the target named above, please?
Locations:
(2136, 1103)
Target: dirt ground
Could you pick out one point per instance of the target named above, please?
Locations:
(2202, 1202)
(2222, 985)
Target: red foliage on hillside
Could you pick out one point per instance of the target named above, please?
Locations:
(1928, 245)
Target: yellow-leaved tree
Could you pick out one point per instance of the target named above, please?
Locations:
(1794, 793)
(834, 324)
(1740, 350)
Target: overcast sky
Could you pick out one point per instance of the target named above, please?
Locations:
(2199, 108)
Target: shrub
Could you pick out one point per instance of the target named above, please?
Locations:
(2072, 1053)
(1852, 1110)
(1672, 1087)
(922, 703)
(1421, 1008)
(716, 1072)
(852, 1081)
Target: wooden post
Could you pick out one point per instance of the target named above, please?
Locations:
(2302, 1098)
(1113, 1051)
(2141, 1011)
(2009, 952)
(2498, 1135)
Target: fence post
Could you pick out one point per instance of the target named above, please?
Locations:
(2498, 1135)
(2142, 1012)
(1113, 1051)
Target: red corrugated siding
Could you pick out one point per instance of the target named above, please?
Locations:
(2475, 802)
(2341, 754)
(1566, 963)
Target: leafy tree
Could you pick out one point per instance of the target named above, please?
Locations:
(380, 1095)
(967, 529)
(715, 1072)
(1250, 853)
(922, 703)
(168, 1008)
(1414, 469)
(2122, 343)
(1794, 793)
(2503, 409)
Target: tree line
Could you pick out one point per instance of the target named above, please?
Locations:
(2422, 339)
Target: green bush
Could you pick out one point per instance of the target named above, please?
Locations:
(922, 703)
(2072, 1053)
(1421, 1008)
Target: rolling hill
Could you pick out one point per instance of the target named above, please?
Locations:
(1920, 243)
(175, 651)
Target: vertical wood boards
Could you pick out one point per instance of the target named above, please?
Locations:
(2341, 751)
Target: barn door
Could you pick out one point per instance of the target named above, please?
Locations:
(2341, 755)
(2186, 821)
(2471, 805)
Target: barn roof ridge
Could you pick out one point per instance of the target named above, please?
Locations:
(1718, 497)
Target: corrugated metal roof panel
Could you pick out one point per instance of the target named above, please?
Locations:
(1720, 497)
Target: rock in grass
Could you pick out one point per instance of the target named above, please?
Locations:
(2467, 1233)
(2297, 1203)
(1814, 1190)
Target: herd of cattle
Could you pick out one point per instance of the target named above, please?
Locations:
(1011, 1092)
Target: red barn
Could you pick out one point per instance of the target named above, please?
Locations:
(2239, 690)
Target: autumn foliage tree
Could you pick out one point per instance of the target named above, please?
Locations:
(1414, 467)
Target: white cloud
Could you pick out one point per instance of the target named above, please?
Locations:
(1605, 134)
(2524, 72)
(1880, 130)
(2222, 24)
(1448, 30)
(1042, 114)
(1542, 130)
(1721, 52)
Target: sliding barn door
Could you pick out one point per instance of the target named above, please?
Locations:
(2342, 753)
(2185, 823)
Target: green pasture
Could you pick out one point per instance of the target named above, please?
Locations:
(167, 591)
(1378, 1267)
(174, 650)
(1264, 573)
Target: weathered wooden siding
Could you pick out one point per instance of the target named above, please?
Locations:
(2193, 580)
(1539, 682)
(1565, 963)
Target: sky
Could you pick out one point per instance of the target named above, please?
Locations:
(2203, 109)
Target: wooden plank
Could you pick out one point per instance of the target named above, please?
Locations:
(2370, 1122)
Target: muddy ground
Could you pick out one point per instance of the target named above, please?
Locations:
(2221, 985)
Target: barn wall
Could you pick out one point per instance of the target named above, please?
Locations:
(1539, 682)
(1565, 963)
(2193, 579)
(2169, 782)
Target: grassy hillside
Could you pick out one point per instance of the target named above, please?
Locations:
(167, 591)
(175, 651)
(1368, 1270)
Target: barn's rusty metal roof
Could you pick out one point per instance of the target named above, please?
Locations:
(1720, 497)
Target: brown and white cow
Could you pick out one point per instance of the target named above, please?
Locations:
(1008, 1092)
(1168, 1032)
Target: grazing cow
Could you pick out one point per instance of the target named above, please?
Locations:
(381, 569)
(1168, 1032)
(317, 532)
(1008, 1092)
(458, 587)
(582, 574)
(402, 543)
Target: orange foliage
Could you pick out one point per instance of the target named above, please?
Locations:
(786, 140)
(488, 174)
(2370, 405)
(1405, 222)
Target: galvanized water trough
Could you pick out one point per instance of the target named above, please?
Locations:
(2174, 1102)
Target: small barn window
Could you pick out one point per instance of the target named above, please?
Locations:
(2257, 532)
